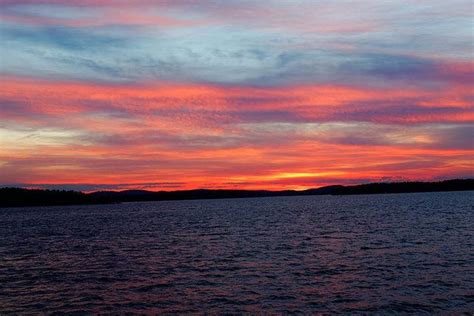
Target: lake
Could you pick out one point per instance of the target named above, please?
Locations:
(391, 253)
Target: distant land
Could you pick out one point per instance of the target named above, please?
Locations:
(15, 197)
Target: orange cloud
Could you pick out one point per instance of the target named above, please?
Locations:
(160, 135)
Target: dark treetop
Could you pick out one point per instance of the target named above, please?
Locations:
(25, 197)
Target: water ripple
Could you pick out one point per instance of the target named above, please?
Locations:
(380, 254)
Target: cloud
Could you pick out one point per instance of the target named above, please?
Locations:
(208, 93)
(242, 43)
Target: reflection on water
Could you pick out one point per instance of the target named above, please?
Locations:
(378, 253)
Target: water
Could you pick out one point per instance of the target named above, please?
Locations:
(411, 253)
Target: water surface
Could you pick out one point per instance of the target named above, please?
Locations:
(382, 254)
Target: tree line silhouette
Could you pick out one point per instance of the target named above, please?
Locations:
(12, 197)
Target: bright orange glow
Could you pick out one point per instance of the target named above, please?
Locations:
(163, 136)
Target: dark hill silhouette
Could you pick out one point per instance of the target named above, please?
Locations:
(11, 197)
(25, 197)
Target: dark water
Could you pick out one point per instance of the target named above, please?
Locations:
(403, 253)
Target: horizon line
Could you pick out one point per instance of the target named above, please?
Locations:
(163, 189)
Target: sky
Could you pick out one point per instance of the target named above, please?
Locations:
(184, 94)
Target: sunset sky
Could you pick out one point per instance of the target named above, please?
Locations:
(182, 94)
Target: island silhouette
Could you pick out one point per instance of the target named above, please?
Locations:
(15, 197)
